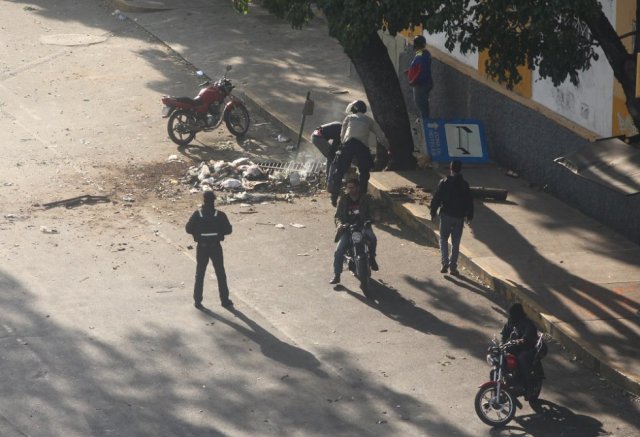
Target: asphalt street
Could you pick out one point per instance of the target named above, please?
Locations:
(98, 333)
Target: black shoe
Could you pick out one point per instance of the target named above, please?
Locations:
(455, 271)
(335, 280)
(198, 305)
(227, 304)
(444, 269)
(334, 202)
(373, 264)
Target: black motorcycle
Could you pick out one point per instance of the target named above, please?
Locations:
(497, 399)
(357, 255)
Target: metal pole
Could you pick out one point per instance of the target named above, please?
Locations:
(306, 110)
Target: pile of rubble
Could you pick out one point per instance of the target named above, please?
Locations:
(247, 181)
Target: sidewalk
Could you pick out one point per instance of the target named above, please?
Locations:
(580, 280)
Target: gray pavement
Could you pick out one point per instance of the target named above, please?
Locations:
(98, 335)
(580, 279)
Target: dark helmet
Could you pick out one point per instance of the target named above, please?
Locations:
(516, 312)
(356, 106)
(419, 42)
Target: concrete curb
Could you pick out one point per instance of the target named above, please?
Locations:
(260, 107)
(512, 292)
(256, 105)
(137, 5)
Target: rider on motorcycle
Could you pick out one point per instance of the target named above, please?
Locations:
(519, 327)
(353, 208)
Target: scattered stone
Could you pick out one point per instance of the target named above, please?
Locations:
(46, 230)
(512, 174)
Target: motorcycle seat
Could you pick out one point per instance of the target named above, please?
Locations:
(187, 100)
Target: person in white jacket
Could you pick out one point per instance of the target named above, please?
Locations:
(356, 129)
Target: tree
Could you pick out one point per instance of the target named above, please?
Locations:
(558, 37)
(355, 24)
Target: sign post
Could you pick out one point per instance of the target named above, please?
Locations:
(462, 139)
(306, 110)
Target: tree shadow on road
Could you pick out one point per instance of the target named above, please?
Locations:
(553, 416)
(156, 380)
(270, 345)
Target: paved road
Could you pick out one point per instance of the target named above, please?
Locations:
(98, 335)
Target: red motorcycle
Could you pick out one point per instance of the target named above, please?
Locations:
(497, 399)
(205, 112)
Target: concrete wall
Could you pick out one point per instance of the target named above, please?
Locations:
(523, 139)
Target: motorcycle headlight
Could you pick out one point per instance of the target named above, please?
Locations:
(356, 237)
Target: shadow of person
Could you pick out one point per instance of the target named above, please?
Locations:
(552, 419)
(469, 285)
(391, 303)
(270, 346)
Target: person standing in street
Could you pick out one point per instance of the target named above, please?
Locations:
(453, 198)
(355, 136)
(419, 75)
(208, 226)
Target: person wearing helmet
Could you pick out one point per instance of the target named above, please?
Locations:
(520, 328)
(356, 130)
(419, 75)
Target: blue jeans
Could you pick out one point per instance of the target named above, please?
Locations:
(421, 99)
(450, 226)
(343, 245)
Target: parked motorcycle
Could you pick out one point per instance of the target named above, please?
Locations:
(357, 255)
(205, 112)
(497, 399)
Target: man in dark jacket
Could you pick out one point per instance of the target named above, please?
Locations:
(520, 327)
(208, 227)
(353, 207)
(327, 139)
(453, 197)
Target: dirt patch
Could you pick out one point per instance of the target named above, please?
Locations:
(419, 195)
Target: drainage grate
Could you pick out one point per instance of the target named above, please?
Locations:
(311, 167)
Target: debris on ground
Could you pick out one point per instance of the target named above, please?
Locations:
(46, 230)
(512, 174)
(416, 194)
(86, 199)
(250, 182)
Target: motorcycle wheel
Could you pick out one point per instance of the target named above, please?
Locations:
(494, 412)
(363, 273)
(237, 120)
(177, 127)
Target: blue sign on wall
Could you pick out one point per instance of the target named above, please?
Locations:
(455, 139)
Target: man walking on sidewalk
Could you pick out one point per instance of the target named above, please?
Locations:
(453, 197)
(208, 227)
